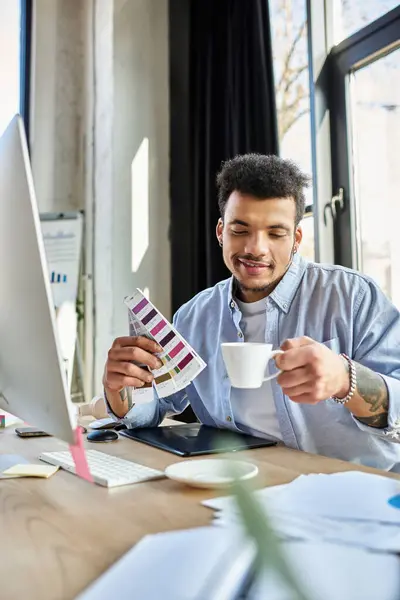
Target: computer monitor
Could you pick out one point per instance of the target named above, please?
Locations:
(33, 383)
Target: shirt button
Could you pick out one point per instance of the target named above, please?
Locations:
(240, 334)
(232, 305)
(229, 419)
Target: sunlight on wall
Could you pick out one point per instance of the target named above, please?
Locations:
(140, 204)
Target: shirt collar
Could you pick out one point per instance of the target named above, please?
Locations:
(286, 289)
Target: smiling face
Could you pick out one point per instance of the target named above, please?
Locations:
(258, 238)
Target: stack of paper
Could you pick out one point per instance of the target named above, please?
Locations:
(193, 564)
(181, 363)
(208, 563)
(349, 508)
(13, 466)
(329, 572)
(211, 563)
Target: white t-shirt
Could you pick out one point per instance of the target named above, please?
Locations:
(255, 408)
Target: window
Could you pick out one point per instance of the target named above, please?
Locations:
(290, 58)
(364, 105)
(352, 15)
(375, 94)
(13, 20)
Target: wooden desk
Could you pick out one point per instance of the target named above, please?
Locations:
(58, 535)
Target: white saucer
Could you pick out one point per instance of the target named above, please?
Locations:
(211, 473)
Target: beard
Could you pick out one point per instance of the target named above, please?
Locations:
(269, 287)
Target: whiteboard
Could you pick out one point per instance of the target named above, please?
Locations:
(62, 235)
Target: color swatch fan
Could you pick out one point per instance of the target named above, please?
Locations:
(181, 364)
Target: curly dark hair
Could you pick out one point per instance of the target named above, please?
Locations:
(262, 176)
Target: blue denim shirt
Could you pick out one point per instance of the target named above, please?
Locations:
(333, 305)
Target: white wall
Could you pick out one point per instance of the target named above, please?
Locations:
(103, 166)
(131, 107)
(99, 87)
(56, 104)
(141, 119)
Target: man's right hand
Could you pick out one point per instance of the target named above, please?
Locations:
(120, 372)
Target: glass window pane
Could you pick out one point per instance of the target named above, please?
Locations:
(353, 15)
(290, 56)
(375, 102)
(9, 61)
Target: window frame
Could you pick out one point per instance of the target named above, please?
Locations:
(26, 8)
(362, 48)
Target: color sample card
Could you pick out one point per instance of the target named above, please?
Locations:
(181, 364)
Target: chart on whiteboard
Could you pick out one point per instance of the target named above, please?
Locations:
(62, 242)
(181, 363)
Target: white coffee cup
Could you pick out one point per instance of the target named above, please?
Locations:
(246, 363)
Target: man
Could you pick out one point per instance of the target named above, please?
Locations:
(339, 390)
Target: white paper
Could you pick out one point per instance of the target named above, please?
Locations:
(330, 572)
(67, 320)
(379, 537)
(62, 242)
(343, 508)
(350, 495)
(210, 564)
(228, 502)
(181, 364)
(195, 564)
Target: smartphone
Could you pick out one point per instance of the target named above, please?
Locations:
(30, 432)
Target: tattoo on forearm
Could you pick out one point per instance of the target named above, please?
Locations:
(123, 394)
(378, 421)
(372, 389)
(126, 396)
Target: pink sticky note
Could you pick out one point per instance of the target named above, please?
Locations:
(79, 456)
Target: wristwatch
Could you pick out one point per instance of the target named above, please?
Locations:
(353, 381)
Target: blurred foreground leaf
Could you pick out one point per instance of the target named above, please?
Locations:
(257, 524)
(258, 527)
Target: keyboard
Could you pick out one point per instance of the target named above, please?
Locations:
(106, 470)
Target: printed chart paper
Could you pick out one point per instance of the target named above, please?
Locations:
(181, 364)
(62, 242)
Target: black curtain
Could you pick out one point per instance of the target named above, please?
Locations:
(222, 103)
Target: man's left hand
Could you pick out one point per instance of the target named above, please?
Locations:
(311, 371)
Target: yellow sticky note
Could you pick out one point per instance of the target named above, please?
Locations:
(29, 470)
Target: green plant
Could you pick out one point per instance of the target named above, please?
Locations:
(258, 527)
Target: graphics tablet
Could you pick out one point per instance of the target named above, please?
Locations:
(193, 439)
